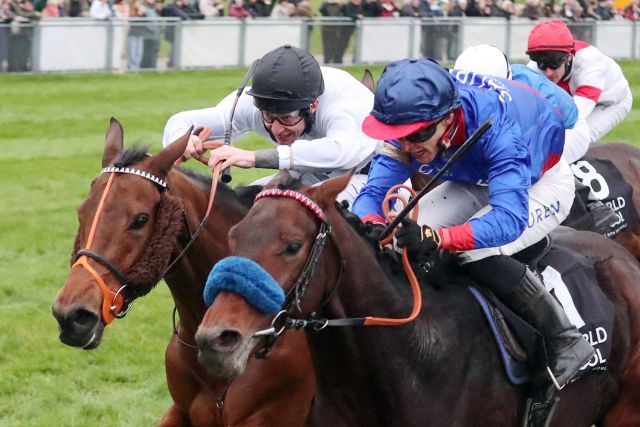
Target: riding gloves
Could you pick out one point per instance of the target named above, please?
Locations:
(373, 230)
(420, 241)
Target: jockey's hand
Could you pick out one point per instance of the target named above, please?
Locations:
(194, 146)
(373, 230)
(420, 242)
(232, 156)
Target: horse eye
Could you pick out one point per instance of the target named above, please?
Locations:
(139, 221)
(293, 248)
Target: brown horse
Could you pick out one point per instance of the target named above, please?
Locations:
(135, 228)
(443, 369)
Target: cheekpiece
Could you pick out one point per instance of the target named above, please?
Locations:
(144, 174)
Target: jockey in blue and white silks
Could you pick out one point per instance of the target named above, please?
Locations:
(509, 191)
(525, 141)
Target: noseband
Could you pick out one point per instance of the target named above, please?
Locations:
(112, 302)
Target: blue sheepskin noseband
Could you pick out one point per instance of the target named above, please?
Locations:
(245, 277)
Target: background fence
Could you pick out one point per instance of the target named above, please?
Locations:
(76, 44)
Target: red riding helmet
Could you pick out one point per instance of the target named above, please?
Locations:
(550, 35)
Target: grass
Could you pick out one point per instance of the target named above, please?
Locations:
(51, 133)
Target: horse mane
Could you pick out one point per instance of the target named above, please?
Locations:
(131, 156)
(445, 270)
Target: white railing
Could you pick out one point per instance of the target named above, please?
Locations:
(76, 44)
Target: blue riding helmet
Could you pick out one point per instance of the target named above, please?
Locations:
(411, 94)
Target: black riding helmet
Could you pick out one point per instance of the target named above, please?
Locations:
(286, 79)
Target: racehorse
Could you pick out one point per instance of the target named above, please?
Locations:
(442, 369)
(136, 228)
(626, 158)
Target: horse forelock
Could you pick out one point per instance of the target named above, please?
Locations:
(132, 156)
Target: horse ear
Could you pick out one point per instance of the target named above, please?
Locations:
(112, 143)
(368, 81)
(325, 195)
(280, 178)
(163, 161)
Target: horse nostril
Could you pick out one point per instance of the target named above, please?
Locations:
(227, 340)
(81, 321)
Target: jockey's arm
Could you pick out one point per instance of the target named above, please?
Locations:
(509, 181)
(342, 147)
(388, 168)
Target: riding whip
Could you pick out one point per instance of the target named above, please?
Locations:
(226, 173)
(459, 152)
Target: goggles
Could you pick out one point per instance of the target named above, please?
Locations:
(424, 134)
(552, 59)
(286, 119)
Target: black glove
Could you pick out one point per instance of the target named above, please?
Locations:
(420, 242)
(373, 230)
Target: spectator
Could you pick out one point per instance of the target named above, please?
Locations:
(53, 9)
(605, 10)
(411, 9)
(259, 8)
(6, 16)
(371, 8)
(456, 9)
(331, 34)
(21, 38)
(135, 37)
(283, 9)
(389, 9)
(76, 8)
(571, 10)
(100, 9)
(353, 9)
(632, 12)
(151, 36)
(303, 10)
(121, 9)
(237, 9)
(532, 10)
(211, 8)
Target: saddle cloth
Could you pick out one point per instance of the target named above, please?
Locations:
(571, 278)
(608, 186)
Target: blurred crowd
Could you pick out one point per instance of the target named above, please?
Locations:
(25, 10)
(144, 37)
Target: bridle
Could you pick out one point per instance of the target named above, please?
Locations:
(283, 320)
(112, 302)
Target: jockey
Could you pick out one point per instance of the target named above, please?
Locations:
(312, 114)
(506, 193)
(599, 89)
(490, 61)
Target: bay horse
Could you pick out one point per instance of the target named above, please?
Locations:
(142, 226)
(442, 369)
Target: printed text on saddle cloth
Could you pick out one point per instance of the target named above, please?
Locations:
(594, 332)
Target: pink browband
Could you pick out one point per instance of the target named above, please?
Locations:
(305, 200)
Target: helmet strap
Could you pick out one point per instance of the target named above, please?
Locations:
(568, 67)
(309, 119)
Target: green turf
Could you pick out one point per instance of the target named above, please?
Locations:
(51, 138)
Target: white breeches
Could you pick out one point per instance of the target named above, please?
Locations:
(453, 203)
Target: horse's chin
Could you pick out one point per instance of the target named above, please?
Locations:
(88, 341)
(228, 365)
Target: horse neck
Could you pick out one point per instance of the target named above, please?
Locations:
(364, 363)
(186, 281)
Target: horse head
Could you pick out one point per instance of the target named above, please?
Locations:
(128, 225)
(271, 259)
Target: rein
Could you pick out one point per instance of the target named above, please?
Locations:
(283, 320)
